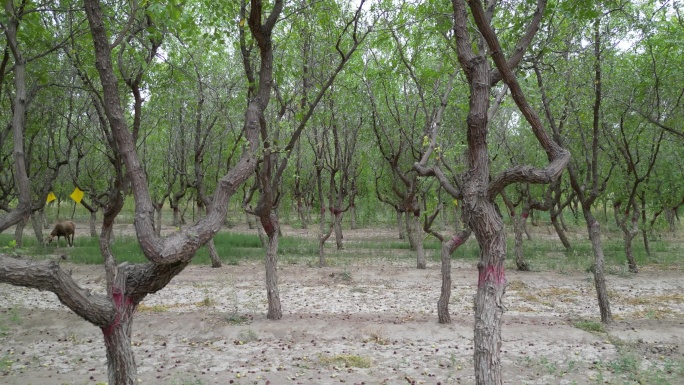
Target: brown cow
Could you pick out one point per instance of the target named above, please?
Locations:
(65, 229)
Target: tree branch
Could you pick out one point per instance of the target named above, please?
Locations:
(49, 276)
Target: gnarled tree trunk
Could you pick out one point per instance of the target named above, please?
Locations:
(271, 226)
(594, 230)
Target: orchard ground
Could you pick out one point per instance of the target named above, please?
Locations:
(369, 321)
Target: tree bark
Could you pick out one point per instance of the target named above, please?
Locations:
(518, 230)
(559, 230)
(22, 183)
(400, 224)
(158, 220)
(594, 230)
(414, 231)
(445, 293)
(337, 225)
(37, 223)
(121, 364)
(352, 216)
(491, 237)
(213, 254)
(447, 249)
(628, 223)
(271, 226)
(19, 232)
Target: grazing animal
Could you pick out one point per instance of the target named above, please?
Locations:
(65, 229)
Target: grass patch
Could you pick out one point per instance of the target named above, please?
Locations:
(231, 247)
(247, 335)
(653, 313)
(516, 285)
(542, 254)
(346, 360)
(237, 319)
(345, 275)
(659, 299)
(152, 309)
(6, 362)
(7, 317)
(590, 326)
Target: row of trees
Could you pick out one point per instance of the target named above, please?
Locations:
(321, 107)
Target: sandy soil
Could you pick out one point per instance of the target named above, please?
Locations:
(373, 322)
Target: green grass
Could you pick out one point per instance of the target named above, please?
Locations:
(346, 360)
(542, 254)
(232, 248)
(7, 317)
(590, 326)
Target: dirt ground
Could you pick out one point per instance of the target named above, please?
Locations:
(373, 322)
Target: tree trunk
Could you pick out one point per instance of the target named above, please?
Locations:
(121, 366)
(176, 217)
(562, 222)
(37, 223)
(19, 231)
(158, 221)
(518, 229)
(93, 224)
(628, 223)
(628, 237)
(524, 225)
(271, 226)
(647, 245)
(670, 217)
(445, 294)
(448, 248)
(337, 224)
(560, 231)
(249, 220)
(415, 237)
(599, 276)
(410, 231)
(213, 254)
(322, 238)
(44, 219)
(301, 213)
(262, 235)
(400, 225)
(458, 225)
(352, 214)
(644, 225)
(488, 229)
(321, 242)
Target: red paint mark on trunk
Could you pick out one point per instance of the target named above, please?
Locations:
(525, 214)
(268, 227)
(512, 213)
(492, 273)
(457, 241)
(123, 306)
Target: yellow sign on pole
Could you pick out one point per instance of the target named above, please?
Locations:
(51, 197)
(77, 195)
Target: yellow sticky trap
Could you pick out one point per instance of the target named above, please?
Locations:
(50, 197)
(77, 195)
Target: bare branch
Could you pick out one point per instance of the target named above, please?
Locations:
(47, 275)
(558, 156)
